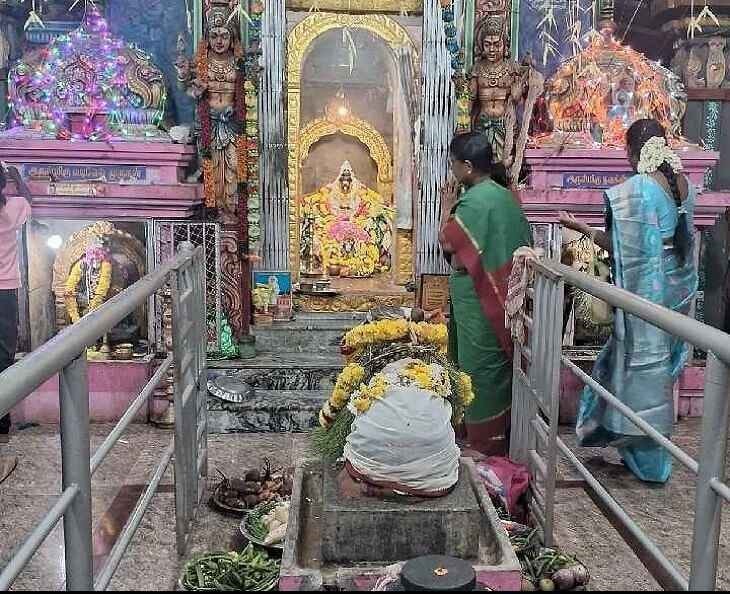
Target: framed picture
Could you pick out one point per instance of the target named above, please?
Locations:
(272, 294)
(434, 293)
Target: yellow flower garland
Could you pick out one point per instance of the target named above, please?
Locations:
(347, 382)
(394, 330)
(100, 294)
(465, 389)
(351, 388)
(427, 378)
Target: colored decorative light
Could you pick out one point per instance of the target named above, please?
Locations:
(97, 86)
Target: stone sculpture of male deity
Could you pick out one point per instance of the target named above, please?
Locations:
(498, 86)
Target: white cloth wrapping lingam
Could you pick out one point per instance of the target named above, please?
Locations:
(405, 438)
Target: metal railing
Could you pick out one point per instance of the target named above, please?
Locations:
(65, 355)
(536, 404)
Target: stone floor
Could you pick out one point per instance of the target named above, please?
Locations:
(152, 564)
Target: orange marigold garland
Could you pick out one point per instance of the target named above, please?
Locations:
(249, 109)
(201, 70)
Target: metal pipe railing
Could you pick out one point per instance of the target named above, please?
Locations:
(75, 451)
(30, 372)
(129, 415)
(536, 384)
(36, 538)
(640, 423)
(701, 335)
(130, 528)
(65, 355)
(670, 578)
(708, 504)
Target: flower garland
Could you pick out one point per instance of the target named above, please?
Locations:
(206, 130)
(364, 381)
(361, 230)
(248, 148)
(432, 378)
(100, 293)
(359, 396)
(247, 141)
(347, 382)
(654, 154)
(388, 331)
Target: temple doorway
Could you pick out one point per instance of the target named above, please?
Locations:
(351, 137)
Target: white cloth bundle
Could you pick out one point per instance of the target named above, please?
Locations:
(405, 438)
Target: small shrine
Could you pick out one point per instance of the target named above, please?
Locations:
(88, 135)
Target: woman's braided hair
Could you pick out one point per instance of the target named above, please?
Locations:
(636, 137)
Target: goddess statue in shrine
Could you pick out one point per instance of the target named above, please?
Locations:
(89, 282)
(216, 80)
(498, 87)
(349, 228)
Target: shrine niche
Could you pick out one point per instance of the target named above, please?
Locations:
(351, 171)
(595, 96)
(346, 228)
(95, 264)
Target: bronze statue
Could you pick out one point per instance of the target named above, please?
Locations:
(498, 86)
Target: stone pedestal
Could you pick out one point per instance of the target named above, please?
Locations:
(353, 528)
(373, 529)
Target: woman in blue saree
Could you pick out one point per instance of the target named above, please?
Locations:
(650, 236)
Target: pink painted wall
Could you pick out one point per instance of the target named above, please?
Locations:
(113, 385)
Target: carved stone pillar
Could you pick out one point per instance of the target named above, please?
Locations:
(701, 64)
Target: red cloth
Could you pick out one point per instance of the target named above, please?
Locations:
(504, 479)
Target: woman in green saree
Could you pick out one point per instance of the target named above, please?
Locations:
(480, 231)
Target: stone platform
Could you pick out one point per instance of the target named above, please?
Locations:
(433, 526)
(447, 524)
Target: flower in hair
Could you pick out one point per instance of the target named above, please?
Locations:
(656, 152)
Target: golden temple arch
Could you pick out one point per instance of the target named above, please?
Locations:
(301, 140)
(362, 131)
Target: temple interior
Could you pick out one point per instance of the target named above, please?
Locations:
(302, 147)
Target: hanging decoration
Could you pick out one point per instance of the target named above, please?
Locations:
(250, 156)
(82, 74)
(452, 42)
(547, 30)
(705, 17)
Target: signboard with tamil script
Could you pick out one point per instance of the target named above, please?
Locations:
(581, 180)
(111, 174)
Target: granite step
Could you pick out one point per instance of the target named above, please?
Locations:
(267, 411)
(308, 333)
(288, 391)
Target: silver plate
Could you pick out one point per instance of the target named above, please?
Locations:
(230, 389)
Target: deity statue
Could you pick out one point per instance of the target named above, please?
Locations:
(68, 90)
(216, 81)
(94, 265)
(349, 228)
(89, 281)
(596, 95)
(498, 87)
